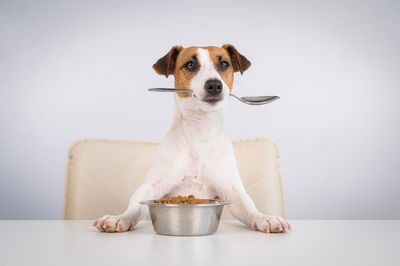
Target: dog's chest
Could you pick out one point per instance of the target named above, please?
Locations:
(202, 134)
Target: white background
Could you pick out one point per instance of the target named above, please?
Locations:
(71, 70)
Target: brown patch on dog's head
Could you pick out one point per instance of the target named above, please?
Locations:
(220, 56)
(171, 64)
(178, 63)
(183, 75)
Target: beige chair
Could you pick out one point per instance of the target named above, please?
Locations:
(102, 175)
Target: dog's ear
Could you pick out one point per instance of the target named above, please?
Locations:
(239, 61)
(166, 64)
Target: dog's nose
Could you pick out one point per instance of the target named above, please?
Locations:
(213, 86)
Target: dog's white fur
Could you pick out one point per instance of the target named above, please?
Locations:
(195, 157)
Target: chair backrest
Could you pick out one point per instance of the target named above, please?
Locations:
(101, 175)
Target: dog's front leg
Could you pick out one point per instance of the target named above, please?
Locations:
(243, 208)
(163, 175)
(229, 187)
(127, 220)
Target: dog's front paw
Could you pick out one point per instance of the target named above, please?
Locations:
(270, 224)
(114, 223)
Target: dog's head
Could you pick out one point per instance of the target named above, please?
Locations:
(207, 71)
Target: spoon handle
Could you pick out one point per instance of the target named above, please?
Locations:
(169, 90)
(251, 100)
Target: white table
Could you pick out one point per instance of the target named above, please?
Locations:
(60, 243)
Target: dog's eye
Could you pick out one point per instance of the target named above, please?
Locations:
(190, 65)
(223, 65)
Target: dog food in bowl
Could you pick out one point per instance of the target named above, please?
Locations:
(184, 200)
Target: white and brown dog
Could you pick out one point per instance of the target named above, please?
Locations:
(196, 157)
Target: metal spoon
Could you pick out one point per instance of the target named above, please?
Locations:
(252, 100)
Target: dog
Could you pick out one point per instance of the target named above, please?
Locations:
(196, 157)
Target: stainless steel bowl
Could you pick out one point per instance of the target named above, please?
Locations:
(185, 219)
